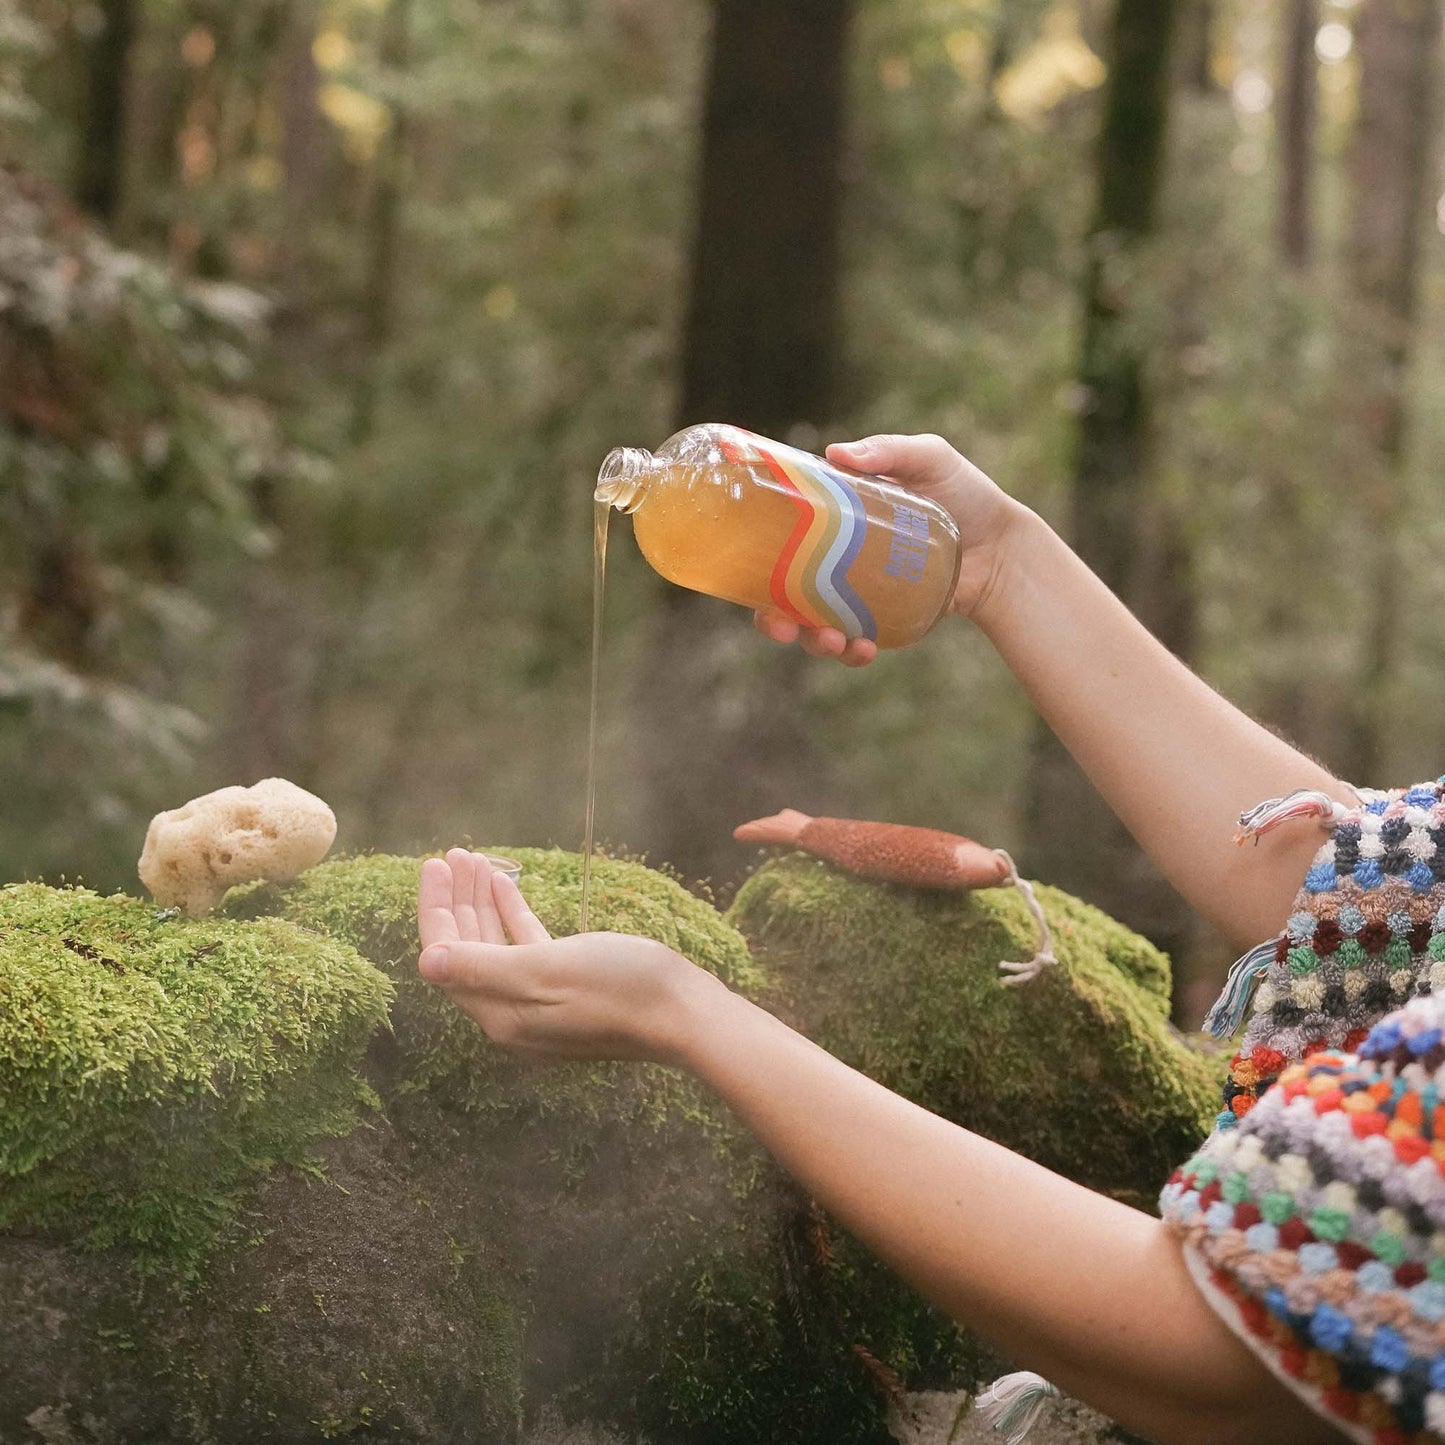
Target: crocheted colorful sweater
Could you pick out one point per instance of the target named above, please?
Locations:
(1313, 1218)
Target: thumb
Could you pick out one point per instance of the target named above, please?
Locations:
(910, 459)
(866, 453)
(451, 964)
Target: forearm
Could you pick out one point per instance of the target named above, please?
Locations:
(1089, 1292)
(1174, 759)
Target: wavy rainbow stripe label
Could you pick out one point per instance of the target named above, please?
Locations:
(810, 578)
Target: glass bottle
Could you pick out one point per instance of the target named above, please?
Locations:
(720, 510)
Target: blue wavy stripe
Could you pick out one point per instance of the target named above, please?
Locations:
(832, 576)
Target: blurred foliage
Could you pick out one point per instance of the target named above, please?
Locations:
(128, 447)
(414, 643)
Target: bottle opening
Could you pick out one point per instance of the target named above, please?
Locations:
(622, 476)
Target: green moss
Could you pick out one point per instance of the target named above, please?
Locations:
(785, 1328)
(1078, 1069)
(1090, 931)
(151, 1067)
(370, 902)
(374, 1303)
(672, 1281)
(617, 1182)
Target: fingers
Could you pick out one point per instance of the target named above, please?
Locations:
(820, 642)
(823, 642)
(912, 460)
(488, 920)
(464, 909)
(435, 920)
(867, 454)
(779, 628)
(456, 903)
(454, 900)
(829, 642)
(521, 923)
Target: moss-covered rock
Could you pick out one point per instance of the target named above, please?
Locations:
(784, 1327)
(600, 1239)
(369, 901)
(607, 1179)
(152, 1067)
(370, 1302)
(791, 1329)
(1078, 1069)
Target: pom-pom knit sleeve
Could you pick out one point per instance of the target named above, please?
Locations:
(1313, 1218)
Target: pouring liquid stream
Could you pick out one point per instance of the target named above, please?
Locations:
(724, 512)
(600, 514)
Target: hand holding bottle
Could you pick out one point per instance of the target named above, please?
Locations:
(929, 466)
(723, 511)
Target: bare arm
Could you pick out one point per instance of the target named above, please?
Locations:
(1088, 1291)
(1174, 759)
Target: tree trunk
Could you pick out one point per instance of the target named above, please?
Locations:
(1196, 39)
(759, 343)
(155, 104)
(1072, 840)
(1284, 702)
(101, 162)
(724, 735)
(1399, 49)
(384, 231)
(303, 144)
(1109, 474)
(1299, 94)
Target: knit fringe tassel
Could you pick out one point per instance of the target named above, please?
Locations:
(1013, 1404)
(1228, 1011)
(1044, 953)
(1255, 822)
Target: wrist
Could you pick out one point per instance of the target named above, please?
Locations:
(694, 998)
(1018, 549)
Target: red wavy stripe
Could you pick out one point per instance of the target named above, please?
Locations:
(778, 584)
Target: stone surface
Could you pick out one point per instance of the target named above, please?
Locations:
(947, 1417)
(348, 1304)
(151, 1067)
(586, 1254)
(1078, 1069)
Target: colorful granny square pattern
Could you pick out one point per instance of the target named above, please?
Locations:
(1367, 932)
(1316, 1227)
(1313, 1218)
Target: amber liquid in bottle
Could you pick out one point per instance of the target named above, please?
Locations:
(721, 511)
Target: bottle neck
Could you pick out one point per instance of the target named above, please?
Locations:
(622, 478)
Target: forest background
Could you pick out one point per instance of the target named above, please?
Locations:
(317, 317)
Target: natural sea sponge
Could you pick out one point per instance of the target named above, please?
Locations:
(271, 831)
